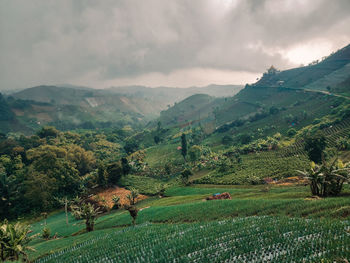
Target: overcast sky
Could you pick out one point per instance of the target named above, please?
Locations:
(163, 43)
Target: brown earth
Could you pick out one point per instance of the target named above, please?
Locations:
(118, 191)
(219, 196)
(294, 180)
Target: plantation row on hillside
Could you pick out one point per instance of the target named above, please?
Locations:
(164, 222)
(249, 239)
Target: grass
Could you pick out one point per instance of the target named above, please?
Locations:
(160, 155)
(57, 224)
(145, 185)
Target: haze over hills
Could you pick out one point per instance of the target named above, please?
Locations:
(281, 89)
(128, 142)
(176, 94)
(70, 106)
(69, 94)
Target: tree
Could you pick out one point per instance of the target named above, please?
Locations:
(14, 239)
(89, 213)
(131, 146)
(84, 160)
(64, 202)
(40, 190)
(185, 175)
(52, 162)
(197, 135)
(75, 207)
(327, 179)
(125, 166)
(161, 189)
(244, 138)
(183, 146)
(133, 211)
(48, 131)
(272, 70)
(156, 139)
(342, 144)
(194, 153)
(238, 158)
(314, 146)
(46, 233)
(12, 188)
(291, 132)
(132, 196)
(116, 202)
(101, 175)
(6, 113)
(114, 171)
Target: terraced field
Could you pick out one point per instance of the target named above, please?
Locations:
(256, 166)
(281, 225)
(248, 239)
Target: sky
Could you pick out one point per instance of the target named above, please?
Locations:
(178, 43)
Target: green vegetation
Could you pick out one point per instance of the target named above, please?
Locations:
(185, 204)
(89, 213)
(260, 238)
(327, 179)
(314, 146)
(267, 146)
(14, 239)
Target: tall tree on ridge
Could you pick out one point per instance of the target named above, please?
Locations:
(184, 146)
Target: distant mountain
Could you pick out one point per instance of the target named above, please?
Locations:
(70, 106)
(194, 108)
(171, 95)
(319, 76)
(67, 108)
(302, 93)
(54, 94)
(343, 87)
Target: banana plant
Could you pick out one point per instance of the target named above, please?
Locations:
(14, 239)
(327, 179)
(133, 196)
(89, 213)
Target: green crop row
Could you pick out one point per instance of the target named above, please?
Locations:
(250, 239)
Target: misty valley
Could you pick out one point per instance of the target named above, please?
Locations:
(257, 171)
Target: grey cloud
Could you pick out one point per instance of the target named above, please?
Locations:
(47, 41)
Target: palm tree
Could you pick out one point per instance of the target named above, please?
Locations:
(14, 239)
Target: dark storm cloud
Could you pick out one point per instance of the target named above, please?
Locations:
(47, 41)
